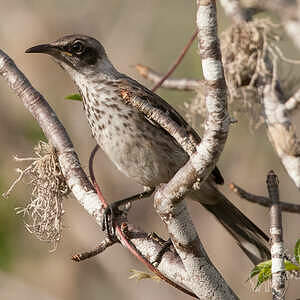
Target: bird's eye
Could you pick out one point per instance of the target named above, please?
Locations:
(77, 47)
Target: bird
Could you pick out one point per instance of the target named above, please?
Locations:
(138, 146)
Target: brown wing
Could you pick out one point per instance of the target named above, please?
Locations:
(156, 101)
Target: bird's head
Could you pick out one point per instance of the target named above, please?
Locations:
(79, 53)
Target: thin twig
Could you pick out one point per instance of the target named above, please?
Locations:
(293, 102)
(22, 174)
(264, 201)
(177, 62)
(183, 84)
(277, 248)
(99, 249)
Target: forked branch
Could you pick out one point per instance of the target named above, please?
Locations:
(264, 201)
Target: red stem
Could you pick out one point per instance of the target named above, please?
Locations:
(177, 62)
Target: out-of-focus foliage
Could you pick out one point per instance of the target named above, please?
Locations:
(33, 133)
(8, 232)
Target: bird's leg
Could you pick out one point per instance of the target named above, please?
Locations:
(112, 211)
(165, 247)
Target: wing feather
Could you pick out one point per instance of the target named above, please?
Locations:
(147, 96)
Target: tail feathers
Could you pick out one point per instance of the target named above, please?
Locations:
(248, 236)
(251, 239)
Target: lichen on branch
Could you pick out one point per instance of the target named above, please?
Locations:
(43, 214)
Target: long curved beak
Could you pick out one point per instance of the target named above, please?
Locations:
(44, 48)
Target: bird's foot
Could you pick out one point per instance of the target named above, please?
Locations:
(111, 213)
(166, 245)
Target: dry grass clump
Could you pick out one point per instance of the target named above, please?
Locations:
(246, 48)
(248, 51)
(43, 214)
(140, 275)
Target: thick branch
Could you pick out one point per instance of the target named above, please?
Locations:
(183, 84)
(264, 201)
(281, 132)
(206, 280)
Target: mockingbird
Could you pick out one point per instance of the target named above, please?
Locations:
(139, 147)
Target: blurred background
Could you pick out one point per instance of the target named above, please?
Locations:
(148, 32)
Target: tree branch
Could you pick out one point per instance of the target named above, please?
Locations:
(99, 249)
(264, 201)
(205, 279)
(281, 131)
(277, 248)
(293, 102)
(183, 84)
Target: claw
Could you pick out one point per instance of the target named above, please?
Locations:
(165, 247)
(112, 210)
(108, 223)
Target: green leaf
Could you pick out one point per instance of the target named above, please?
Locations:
(260, 267)
(254, 272)
(263, 276)
(264, 271)
(76, 97)
(297, 251)
(289, 266)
